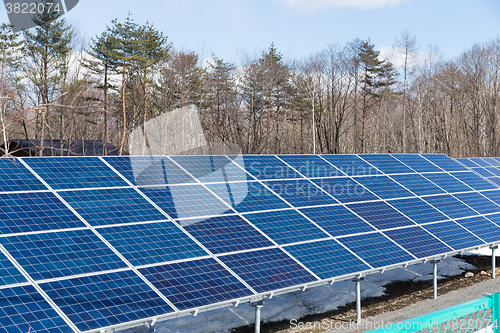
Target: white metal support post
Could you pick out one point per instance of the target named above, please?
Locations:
(257, 305)
(435, 277)
(358, 297)
(493, 261)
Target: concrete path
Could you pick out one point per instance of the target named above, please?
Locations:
(443, 301)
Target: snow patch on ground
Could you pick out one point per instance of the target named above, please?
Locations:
(299, 304)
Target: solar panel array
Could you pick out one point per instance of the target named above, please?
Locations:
(90, 243)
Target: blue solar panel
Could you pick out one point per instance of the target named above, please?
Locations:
(16, 177)
(112, 206)
(23, 310)
(376, 249)
(482, 227)
(266, 167)
(149, 170)
(186, 201)
(351, 165)
(337, 220)
(483, 172)
(453, 235)
(477, 202)
(495, 180)
(384, 187)
(447, 182)
(386, 163)
(417, 184)
(300, 192)
(8, 273)
(151, 243)
(467, 162)
(27, 212)
(474, 181)
(493, 170)
(479, 161)
(311, 166)
(223, 234)
(418, 242)
(269, 269)
(75, 172)
(345, 189)
(209, 169)
(450, 206)
(195, 283)
(417, 163)
(492, 195)
(51, 255)
(380, 215)
(492, 160)
(418, 210)
(248, 197)
(495, 218)
(444, 162)
(327, 259)
(93, 302)
(286, 226)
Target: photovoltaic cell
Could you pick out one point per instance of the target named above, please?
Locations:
(266, 167)
(337, 220)
(209, 169)
(23, 309)
(492, 195)
(453, 235)
(477, 202)
(384, 187)
(286, 226)
(492, 160)
(417, 184)
(37, 211)
(248, 197)
(418, 210)
(481, 227)
(14, 176)
(479, 161)
(74, 172)
(186, 201)
(386, 163)
(51, 255)
(311, 166)
(8, 273)
(376, 249)
(418, 242)
(195, 283)
(380, 215)
(444, 162)
(149, 170)
(467, 162)
(474, 181)
(224, 234)
(495, 180)
(345, 189)
(483, 172)
(112, 206)
(143, 244)
(269, 269)
(447, 182)
(351, 165)
(300, 192)
(97, 301)
(327, 259)
(450, 206)
(417, 163)
(493, 170)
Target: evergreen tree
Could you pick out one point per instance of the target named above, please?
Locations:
(46, 51)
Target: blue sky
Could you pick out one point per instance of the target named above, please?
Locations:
(229, 28)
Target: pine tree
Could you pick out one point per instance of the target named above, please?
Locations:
(46, 51)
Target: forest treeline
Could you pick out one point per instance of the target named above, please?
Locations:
(344, 99)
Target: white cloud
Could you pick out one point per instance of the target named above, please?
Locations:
(314, 5)
(396, 56)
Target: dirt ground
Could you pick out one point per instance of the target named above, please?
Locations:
(397, 295)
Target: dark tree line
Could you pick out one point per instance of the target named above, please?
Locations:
(344, 99)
